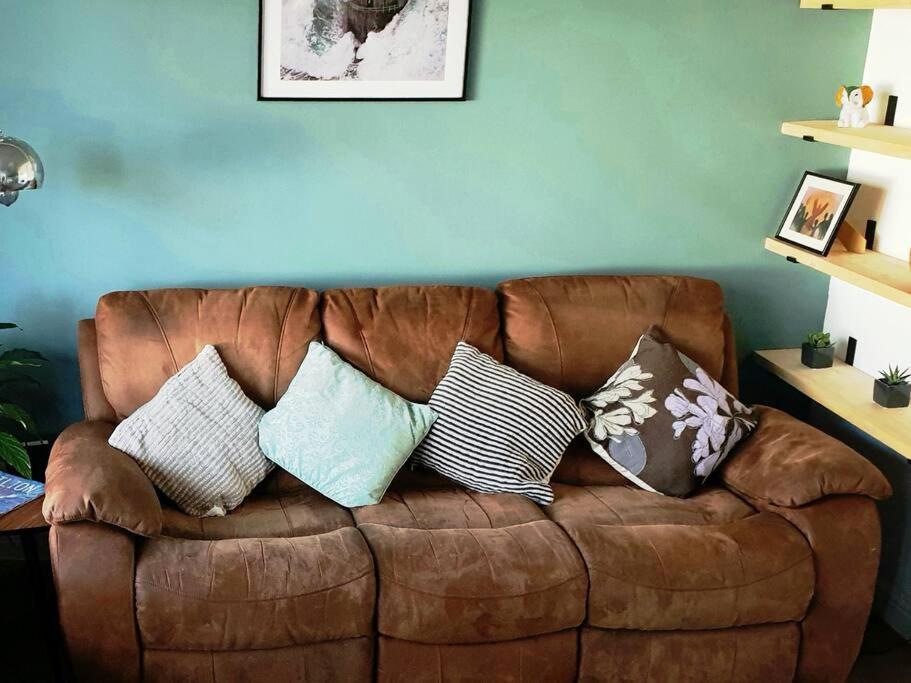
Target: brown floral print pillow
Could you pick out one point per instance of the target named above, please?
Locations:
(662, 421)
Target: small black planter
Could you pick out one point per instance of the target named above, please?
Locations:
(817, 358)
(891, 395)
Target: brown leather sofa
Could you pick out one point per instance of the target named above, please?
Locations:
(765, 575)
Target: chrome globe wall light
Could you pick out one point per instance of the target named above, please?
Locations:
(20, 169)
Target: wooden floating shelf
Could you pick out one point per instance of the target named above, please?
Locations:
(889, 140)
(847, 392)
(856, 4)
(875, 272)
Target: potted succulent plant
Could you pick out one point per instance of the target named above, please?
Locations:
(818, 351)
(892, 389)
(15, 423)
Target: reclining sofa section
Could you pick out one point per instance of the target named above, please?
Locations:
(765, 575)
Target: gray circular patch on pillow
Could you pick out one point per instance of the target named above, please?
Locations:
(630, 453)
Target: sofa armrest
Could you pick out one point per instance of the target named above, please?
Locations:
(789, 463)
(90, 480)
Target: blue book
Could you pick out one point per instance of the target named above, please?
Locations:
(16, 491)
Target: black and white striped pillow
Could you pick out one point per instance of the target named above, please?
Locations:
(498, 431)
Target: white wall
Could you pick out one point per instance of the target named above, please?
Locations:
(882, 328)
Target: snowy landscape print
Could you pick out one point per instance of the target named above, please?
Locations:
(364, 48)
(351, 39)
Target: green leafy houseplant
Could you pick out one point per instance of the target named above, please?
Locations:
(893, 376)
(818, 351)
(819, 340)
(892, 389)
(15, 422)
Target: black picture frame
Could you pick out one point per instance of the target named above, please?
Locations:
(265, 98)
(835, 224)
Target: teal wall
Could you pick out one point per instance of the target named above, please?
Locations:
(600, 136)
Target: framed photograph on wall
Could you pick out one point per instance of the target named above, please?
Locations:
(363, 49)
(817, 211)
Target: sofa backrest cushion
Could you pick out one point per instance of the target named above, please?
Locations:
(573, 332)
(145, 337)
(404, 337)
(95, 404)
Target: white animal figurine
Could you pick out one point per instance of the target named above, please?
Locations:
(853, 100)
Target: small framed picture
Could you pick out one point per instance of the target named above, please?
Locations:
(363, 49)
(817, 211)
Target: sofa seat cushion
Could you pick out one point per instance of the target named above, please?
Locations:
(754, 654)
(450, 586)
(293, 512)
(551, 658)
(250, 594)
(715, 565)
(631, 506)
(424, 500)
(337, 660)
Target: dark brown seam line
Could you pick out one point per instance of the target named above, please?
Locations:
(475, 501)
(85, 407)
(763, 499)
(592, 568)
(240, 316)
(660, 562)
(468, 315)
(164, 337)
(553, 326)
(137, 631)
(667, 305)
(281, 505)
(386, 579)
(60, 520)
(608, 506)
(262, 649)
(360, 331)
(315, 591)
(734, 658)
(281, 341)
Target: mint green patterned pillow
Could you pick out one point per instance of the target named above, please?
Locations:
(340, 432)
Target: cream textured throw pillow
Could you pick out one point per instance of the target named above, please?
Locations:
(197, 440)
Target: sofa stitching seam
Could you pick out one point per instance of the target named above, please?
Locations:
(188, 596)
(475, 501)
(335, 639)
(553, 326)
(85, 407)
(420, 591)
(609, 507)
(281, 342)
(411, 512)
(137, 631)
(760, 498)
(148, 304)
(734, 658)
(360, 331)
(703, 590)
(281, 505)
(667, 304)
(63, 520)
(468, 315)
(660, 561)
(743, 573)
